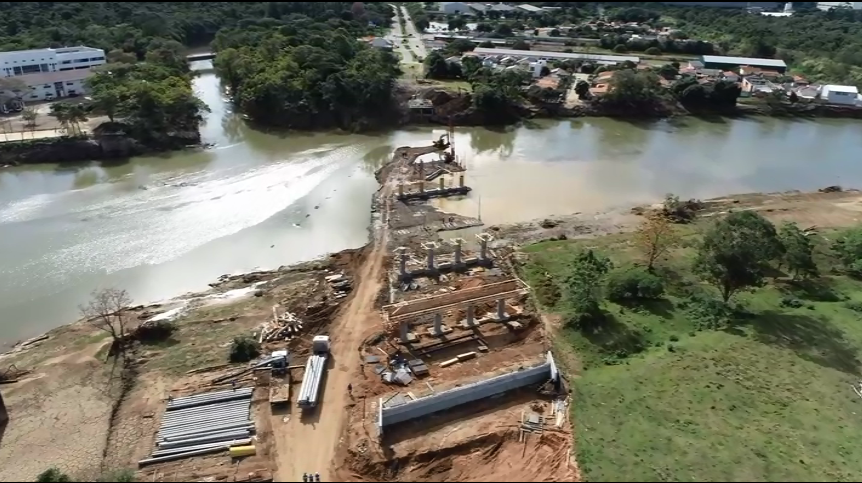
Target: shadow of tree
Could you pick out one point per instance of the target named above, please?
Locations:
(818, 290)
(812, 339)
(614, 337)
(659, 307)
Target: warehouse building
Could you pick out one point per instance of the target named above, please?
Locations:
(544, 55)
(734, 63)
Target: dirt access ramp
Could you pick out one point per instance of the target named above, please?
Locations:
(306, 443)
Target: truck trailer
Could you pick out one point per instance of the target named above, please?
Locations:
(315, 371)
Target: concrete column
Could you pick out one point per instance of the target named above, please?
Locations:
(402, 263)
(501, 309)
(461, 180)
(430, 258)
(442, 183)
(401, 189)
(458, 254)
(483, 252)
(405, 328)
(438, 323)
(421, 186)
(470, 310)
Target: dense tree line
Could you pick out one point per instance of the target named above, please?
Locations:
(305, 69)
(129, 26)
(152, 99)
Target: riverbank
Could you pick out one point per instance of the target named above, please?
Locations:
(72, 357)
(76, 149)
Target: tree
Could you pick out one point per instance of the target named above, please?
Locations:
(503, 30)
(653, 51)
(582, 89)
(13, 85)
(457, 23)
(848, 249)
(633, 89)
(735, 252)
(655, 237)
(545, 71)
(119, 56)
(60, 111)
(554, 33)
(581, 289)
(521, 45)
(53, 475)
(668, 71)
(798, 251)
(30, 115)
(106, 311)
(620, 48)
(107, 101)
(484, 27)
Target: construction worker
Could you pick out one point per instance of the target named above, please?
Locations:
(317, 477)
(305, 477)
(350, 389)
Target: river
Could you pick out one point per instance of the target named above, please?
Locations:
(162, 226)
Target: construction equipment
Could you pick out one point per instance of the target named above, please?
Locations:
(279, 382)
(315, 370)
(280, 361)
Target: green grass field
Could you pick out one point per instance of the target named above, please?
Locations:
(766, 398)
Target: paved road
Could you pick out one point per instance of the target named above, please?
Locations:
(415, 38)
(412, 51)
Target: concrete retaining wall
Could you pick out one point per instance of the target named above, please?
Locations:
(466, 394)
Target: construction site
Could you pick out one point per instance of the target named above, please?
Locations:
(458, 383)
(418, 357)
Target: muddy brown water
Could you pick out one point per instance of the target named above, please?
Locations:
(166, 225)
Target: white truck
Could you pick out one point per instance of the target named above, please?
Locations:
(315, 370)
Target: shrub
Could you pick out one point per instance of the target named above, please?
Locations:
(634, 284)
(791, 302)
(853, 305)
(620, 48)
(155, 331)
(653, 51)
(674, 338)
(708, 312)
(244, 349)
(53, 475)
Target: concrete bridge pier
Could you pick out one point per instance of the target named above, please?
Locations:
(438, 323)
(501, 310)
(470, 311)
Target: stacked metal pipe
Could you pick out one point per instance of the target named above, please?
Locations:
(310, 388)
(202, 424)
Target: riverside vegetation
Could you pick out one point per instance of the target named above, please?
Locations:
(726, 337)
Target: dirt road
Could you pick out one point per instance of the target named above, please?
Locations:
(306, 444)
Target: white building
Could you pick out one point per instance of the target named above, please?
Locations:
(826, 6)
(834, 94)
(23, 62)
(47, 74)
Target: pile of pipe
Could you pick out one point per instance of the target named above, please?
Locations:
(308, 391)
(202, 424)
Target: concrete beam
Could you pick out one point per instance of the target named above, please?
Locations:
(442, 303)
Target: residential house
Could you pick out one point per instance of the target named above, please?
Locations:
(755, 85)
(835, 94)
(455, 8)
(730, 75)
(800, 81)
(599, 90)
(531, 9)
(380, 43)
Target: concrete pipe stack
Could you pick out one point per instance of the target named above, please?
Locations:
(203, 424)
